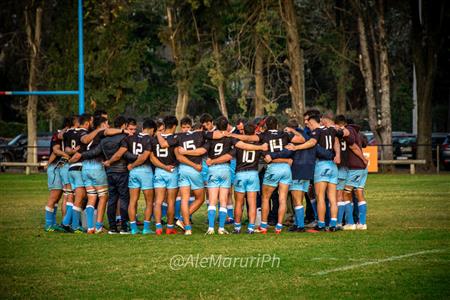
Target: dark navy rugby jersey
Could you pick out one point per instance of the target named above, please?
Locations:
(219, 147)
(193, 140)
(166, 155)
(246, 160)
(137, 144)
(276, 139)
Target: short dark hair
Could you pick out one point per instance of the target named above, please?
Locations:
(340, 119)
(206, 118)
(170, 121)
(241, 120)
(84, 118)
(249, 129)
(221, 123)
(149, 124)
(131, 121)
(98, 120)
(271, 123)
(100, 112)
(292, 123)
(119, 121)
(186, 121)
(313, 114)
(67, 122)
(197, 126)
(74, 119)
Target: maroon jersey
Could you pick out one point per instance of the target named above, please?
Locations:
(354, 162)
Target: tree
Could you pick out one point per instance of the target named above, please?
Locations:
(428, 33)
(296, 62)
(374, 66)
(34, 42)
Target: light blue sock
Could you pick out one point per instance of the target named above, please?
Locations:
(48, 216)
(187, 227)
(230, 211)
(146, 225)
(170, 226)
(158, 226)
(177, 208)
(314, 207)
(211, 215)
(362, 212)
(251, 226)
(90, 216)
(164, 209)
(98, 225)
(222, 217)
(68, 216)
(333, 222)
(237, 226)
(279, 226)
(133, 226)
(55, 209)
(349, 213)
(321, 224)
(300, 216)
(76, 213)
(263, 225)
(341, 210)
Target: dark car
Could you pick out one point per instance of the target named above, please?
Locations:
(404, 145)
(445, 152)
(16, 149)
(437, 138)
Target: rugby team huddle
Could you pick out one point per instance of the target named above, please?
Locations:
(97, 168)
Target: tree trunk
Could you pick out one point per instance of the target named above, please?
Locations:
(182, 100)
(220, 83)
(342, 77)
(259, 81)
(386, 125)
(366, 71)
(427, 39)
(34, 42)
(182, 84)
(295, 59)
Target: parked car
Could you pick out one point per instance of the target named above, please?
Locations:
(404, 145)
(371, 141)
(445, 152)
(16, 149)
(437, 138)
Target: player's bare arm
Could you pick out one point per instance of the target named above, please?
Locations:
(251, 147)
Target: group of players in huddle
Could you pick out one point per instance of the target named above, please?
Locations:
(95, 168)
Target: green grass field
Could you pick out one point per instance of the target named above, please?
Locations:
(404, 254)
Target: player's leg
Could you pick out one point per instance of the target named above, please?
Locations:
(76, 181)
(134, 197)
(267, 191)
(239, 201)
(90, 208)
(124, 196)
(362, 206)
(171, 196)
(55, 187)
(223, 201)
(349, 222)
(185, 194)
(283, 190)
(213, 197)
(102, 193)
(320, 189)
(67, 220)
(251, 202)
(148, 195)
(331, 194)
(297, 197)
(160, 193)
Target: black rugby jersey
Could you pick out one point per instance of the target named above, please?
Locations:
(166, 155)
(246, 160)
(137, 144)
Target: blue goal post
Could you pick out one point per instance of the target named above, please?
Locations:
(80, 91)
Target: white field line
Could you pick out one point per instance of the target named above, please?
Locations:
(378, 261)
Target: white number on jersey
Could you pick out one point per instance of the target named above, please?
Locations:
(189, 145)
(73, 143)
(137, 148)
(328, 142)
(89, 145)
(161, 152)
(276, 144)
(218, 148)
(248, 156)
(343, 145)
